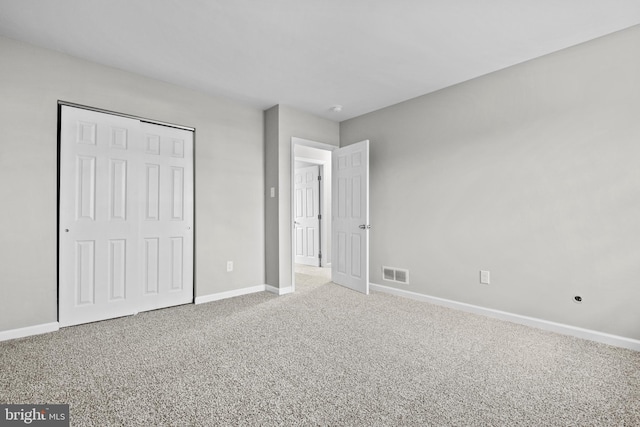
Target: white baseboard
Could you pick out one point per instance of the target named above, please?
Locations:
(230, 294)
(560, 328)
(28, 331)
(279, 291)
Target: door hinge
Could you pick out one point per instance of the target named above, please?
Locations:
(319, 178)
(319, 255)
(319, 216)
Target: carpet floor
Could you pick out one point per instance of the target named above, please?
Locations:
(324, 356)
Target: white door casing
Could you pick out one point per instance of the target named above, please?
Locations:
(126, 216)
(306, 215)
(350, 216)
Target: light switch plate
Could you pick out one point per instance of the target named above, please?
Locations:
(485, 277)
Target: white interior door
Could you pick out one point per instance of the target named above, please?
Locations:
(165, 181)
(126, 216)
(350, 216)
(98, 220)
(307, 215)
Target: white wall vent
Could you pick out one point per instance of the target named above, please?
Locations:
(392, 274)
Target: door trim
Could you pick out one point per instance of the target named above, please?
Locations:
(129, 116)
(60, 104)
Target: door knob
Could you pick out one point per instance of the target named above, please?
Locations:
(364, 226)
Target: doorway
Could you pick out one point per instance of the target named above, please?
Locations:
(346, 211)
(311, 213)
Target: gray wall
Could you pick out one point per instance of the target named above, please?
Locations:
(272, 207)
(281, 124)
(532, 172)
(229, 173)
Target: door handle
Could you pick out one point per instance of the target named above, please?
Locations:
(364, 226)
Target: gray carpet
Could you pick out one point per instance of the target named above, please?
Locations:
(322, 356)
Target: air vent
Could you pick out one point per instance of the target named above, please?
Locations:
(389, 273)
(398, 275)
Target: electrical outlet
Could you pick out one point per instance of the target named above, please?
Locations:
(485, 277)
(229, 266)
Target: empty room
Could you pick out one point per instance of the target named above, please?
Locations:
(305, 212)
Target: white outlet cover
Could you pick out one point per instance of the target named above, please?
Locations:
(485, 277)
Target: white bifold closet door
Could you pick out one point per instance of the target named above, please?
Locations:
(126, 216)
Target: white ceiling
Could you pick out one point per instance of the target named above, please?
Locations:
(312, 54)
